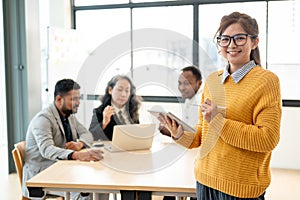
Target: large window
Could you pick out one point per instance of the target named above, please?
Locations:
(162, 45)
(163, 40)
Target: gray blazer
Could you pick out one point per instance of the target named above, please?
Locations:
(45, 142)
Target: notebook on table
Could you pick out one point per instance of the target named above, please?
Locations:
(131, 137)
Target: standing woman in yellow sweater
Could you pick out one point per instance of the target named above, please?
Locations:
(239, 119)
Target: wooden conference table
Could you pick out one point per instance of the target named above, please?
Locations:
(168, 170)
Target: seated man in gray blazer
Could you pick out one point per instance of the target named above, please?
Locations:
(55, 134)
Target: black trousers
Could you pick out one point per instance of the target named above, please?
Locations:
(173, 198)
(133, 195)
(207, 193)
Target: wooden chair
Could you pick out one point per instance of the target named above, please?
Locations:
(18, 155)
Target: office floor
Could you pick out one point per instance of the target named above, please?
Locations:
(285, 185)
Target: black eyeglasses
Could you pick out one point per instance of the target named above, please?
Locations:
(238, 39)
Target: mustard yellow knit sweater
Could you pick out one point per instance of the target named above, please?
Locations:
(236, 146)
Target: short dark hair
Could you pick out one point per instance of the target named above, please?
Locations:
(195, 71)
(64, 86)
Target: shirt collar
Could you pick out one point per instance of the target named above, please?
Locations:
(240, 73)
(118, 109)
(62, 118)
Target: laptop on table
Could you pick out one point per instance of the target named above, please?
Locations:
(131, 137)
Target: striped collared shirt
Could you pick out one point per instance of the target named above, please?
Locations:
(239, 74)
(125, 114)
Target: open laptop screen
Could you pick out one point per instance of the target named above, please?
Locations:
(132, 137)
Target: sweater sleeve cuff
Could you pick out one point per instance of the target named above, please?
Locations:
(186, 139)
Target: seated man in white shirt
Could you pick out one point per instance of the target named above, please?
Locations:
(189, 85)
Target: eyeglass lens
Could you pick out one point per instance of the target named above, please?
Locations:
(239, 40)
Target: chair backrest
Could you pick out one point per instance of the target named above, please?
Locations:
(18, 155)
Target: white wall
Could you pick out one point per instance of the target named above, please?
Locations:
(58, 15)
(33, 57)
(286, 154)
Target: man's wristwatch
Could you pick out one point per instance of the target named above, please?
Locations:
(70, 156)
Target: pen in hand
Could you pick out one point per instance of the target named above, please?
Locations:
(199, 105)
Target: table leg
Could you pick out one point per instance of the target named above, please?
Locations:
(67, 195)
(114, 196)
(95, 196)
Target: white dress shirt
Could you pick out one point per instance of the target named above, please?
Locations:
(190, 110)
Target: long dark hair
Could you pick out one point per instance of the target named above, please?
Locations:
(134, 102)
(248, 23)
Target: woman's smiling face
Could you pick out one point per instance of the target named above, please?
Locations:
(237, 56)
